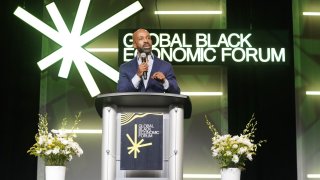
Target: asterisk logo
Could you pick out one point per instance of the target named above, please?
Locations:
(135, 144)
(71, 42)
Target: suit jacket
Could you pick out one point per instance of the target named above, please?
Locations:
(129, 69)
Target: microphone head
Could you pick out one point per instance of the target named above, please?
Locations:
(143, 55)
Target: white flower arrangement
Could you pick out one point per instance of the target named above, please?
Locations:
(56, 147)
(234, 151)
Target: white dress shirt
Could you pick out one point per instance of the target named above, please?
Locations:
(136, 79)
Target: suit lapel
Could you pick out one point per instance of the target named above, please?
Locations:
(155, 68)
(134, 67)
(135, 64)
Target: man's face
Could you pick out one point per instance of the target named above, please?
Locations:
(142, 41)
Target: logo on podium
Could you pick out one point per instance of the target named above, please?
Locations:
(141, 141)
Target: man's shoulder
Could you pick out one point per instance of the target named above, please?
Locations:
(162, 61)
(128, 63)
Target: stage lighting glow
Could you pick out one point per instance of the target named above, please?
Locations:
(201, 176)
(313, 93)
(187, 12)
(311, 13)
(71, 42)
(102, 49)
(202, 93)
(313, 176)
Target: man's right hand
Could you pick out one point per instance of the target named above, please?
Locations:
(142, 68)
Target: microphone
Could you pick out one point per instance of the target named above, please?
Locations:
(143, 57)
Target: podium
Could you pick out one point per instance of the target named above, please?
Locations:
(174, 108)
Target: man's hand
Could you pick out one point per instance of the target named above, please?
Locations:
(159, 76)
(142, 68)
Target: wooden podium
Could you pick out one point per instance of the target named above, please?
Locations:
(175, 108)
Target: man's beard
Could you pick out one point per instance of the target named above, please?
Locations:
(145, 50)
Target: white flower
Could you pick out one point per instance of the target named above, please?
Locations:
(234, 151)
(235, 158)
(48, 152)
(55, 147)
(56, 150)
(50, 136)
(235, 146)
(64, 141)
(228, 153)
(235, 138)
(249, 156)
(70, 157)
(42, 139)
(242, 150)
(215, 153)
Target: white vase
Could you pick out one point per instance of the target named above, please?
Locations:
(55, 172)
(230, 173)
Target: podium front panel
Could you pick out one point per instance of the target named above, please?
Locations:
(141, 141)
(125, 171)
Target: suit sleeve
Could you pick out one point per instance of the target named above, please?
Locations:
(173, 84)
(124, 82)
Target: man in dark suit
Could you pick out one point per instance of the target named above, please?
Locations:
(146, 73)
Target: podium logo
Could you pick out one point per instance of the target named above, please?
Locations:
(146, 131)
(135, 148)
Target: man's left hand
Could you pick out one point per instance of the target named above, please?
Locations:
(159, 76)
